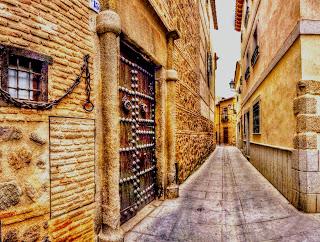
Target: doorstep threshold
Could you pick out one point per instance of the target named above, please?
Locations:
(143, 213)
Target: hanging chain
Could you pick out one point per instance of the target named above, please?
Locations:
(88, 105)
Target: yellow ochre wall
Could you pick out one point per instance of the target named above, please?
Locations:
(276, 93)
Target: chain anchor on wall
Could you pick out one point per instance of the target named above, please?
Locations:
(88, 105)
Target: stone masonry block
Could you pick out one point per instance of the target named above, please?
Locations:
(305, 141)
(295, 159)
(295, 180)
(295, 198)
(306, 104)
(318, 203)
(308, 202)
(308, 122)
(313, 181)
(309, 86)
(306, 160)
(303, 182)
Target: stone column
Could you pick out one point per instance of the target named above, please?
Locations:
(108, 29)
(160, 117)
(306, 157)
(172, 190)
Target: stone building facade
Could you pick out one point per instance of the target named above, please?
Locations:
(59, 163)
(225, 121)
(279, 114)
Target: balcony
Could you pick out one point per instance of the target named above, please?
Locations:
(247, 74)
(255, 56)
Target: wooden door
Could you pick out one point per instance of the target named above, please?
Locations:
(225, 135)
(138, 185)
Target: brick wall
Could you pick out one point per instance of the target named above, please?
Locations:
(65, 31)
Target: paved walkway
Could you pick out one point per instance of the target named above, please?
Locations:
(227, 199)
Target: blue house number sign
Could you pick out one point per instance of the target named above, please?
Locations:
(95, 5)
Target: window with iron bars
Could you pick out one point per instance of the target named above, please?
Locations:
(24, 74)
(247, 73)
(246, 18)
(256, 118)
(255, 54)
(224, 116)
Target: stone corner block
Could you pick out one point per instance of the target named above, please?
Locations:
(308, 123)
(172, 192)
(306, 140)
(308, 203)
(111, 235)
(172, 75)
(308, 86)
(306, 104)
(108, 21)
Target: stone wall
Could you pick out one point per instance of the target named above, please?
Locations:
(195, 133)
(33, 147)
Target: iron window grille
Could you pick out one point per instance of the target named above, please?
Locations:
(224, 117)
(246, 19)
(247, 73)
(256, 118)
(255, 56)
(24, 74)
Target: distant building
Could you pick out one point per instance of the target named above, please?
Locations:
(225, 121)
(279, 95)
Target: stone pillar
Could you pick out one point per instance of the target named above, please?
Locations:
(306, 158)
(172, 190)
(160, 117)
(108, 29)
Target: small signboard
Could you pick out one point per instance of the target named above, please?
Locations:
(95, 5)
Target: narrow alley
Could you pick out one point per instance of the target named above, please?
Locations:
(227, 199)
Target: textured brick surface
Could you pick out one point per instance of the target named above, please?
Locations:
(71, 164)
(77, 225)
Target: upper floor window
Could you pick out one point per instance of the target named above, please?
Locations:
(224, 114)
(255, 54)
(246, 18)
(209, 68)
(247, 72)
(24, 74)
(256, 117)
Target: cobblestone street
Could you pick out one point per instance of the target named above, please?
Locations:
(227, 199)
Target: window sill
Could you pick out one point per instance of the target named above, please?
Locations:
(256, 133)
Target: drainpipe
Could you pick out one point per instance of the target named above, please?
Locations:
(172, 190)
(108, 169)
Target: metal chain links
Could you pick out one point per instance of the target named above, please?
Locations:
(88, 105)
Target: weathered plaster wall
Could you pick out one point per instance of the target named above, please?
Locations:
(278, 123)
(275, 20)
(64, 30)
(141, 25)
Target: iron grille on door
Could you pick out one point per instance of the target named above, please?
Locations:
(137, 132)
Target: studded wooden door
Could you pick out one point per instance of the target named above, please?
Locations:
(137, 132)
